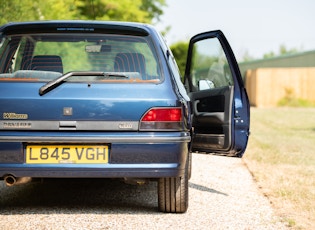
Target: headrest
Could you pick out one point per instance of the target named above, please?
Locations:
(130, 62)
(47, 63)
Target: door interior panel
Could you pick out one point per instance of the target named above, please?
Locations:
(211, 104)
(212, 118)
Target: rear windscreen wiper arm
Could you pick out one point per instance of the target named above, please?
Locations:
(56, 82)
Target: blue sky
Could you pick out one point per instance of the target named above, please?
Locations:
(251, 26)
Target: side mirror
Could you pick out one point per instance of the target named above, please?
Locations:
(205, 84)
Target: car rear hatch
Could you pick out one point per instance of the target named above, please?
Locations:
(79, 106)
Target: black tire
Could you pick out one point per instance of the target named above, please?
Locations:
(173, 193)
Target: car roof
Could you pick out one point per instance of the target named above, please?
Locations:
(81, 26)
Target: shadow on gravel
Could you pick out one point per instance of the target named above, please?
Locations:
(205, 189)
(78, 196)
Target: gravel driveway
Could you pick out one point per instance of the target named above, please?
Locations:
(222, 195)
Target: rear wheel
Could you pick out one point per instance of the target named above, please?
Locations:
(173, 193)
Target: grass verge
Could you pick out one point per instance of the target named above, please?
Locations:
(281, 157)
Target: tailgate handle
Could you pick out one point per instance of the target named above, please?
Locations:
(67, 125)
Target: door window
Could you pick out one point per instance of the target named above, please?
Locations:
(210, 67)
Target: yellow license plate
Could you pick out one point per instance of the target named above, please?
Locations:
(58, 154)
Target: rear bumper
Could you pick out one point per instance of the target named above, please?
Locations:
(141, 155)
(149, 137)
(84, 171)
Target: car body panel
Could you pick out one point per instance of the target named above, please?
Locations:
(88, 101)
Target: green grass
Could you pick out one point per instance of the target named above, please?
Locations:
(295, 102)
(281, 156)
(290, 100)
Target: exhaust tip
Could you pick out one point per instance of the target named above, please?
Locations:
(11, 180)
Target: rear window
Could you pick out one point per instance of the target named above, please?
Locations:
(44, 57)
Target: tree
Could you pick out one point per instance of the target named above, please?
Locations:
(145, 11)
(179, 51)
(283, 50)
(123, 10)
(271, 54)
(246, 57)
(154, 8)
(16, 10)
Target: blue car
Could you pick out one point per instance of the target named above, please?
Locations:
(94, 99)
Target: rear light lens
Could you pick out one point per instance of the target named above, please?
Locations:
(162, 119)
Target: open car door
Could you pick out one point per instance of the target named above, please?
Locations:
(219, 100)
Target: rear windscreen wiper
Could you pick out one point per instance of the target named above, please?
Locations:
(56, 82)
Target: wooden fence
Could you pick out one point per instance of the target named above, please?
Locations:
(267, 86)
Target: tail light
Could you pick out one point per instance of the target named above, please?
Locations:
(168, 119)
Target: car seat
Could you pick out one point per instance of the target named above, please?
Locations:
(47, 63)
(130, 62)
